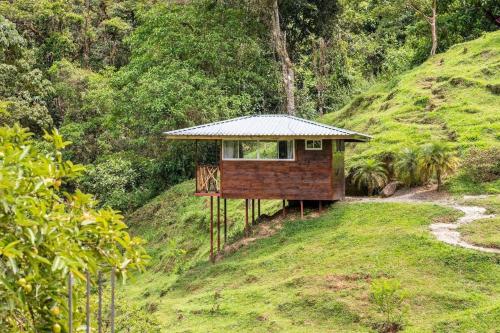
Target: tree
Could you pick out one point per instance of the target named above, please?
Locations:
(89, 32)
(279, 42)
(23, 87)
(48, 231)
(406, 166)
(423, 6)
(320, 65)
(436, 159)
(369, 173)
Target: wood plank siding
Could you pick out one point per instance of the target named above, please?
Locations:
(313, 175)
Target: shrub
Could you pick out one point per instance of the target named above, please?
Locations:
(482, 165)
(369, 173)
(47, 233)
(216, 302)
(436, 159)
(111, 181)
(406, 166)
(388, 298)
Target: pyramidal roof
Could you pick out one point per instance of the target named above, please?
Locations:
(273, 126)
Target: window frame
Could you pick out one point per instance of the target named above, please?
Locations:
(258, 159)
(320, 145)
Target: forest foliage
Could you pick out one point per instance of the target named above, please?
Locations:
(48, 231)
(112, 75)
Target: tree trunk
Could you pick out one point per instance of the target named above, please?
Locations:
(321, 71)
(286, 64)
(86, 41)
(433, 27)
(438, 176)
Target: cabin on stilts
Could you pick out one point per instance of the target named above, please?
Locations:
(269, 157)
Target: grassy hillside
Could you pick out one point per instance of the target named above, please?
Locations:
(453, 97)
(176, 226)
(315, 276)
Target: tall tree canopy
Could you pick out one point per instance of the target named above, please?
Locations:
(112, 75)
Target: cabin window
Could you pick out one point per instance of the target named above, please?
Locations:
(258, 150)
(314, 144)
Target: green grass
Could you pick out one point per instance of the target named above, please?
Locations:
(176, 226)
(484, 232)
(490, 202)
(453, 97)
(315, 275)
(461, 184)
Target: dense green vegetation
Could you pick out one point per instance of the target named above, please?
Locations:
(317, 275)
(48, 231)
(112, 75)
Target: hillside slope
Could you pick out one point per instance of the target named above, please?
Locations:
(176, 226)
(453, 97)
(315, 276)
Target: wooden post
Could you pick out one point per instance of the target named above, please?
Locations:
(320, 206)
(284, 208)
(246, 216)
(99, 305)
(225, 221)
(218, 224)
(212, 228)
(258, 208)
(70, 302)
(253, 211)
(301, 209)
(87, 304)
(196, 165)
(112, 314)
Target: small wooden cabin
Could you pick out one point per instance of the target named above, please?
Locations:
(271, 157)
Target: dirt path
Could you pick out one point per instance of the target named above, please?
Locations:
(445, 232)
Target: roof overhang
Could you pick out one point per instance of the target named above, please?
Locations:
(266, 127)
(350, 138)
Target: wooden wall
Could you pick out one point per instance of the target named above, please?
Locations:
(310, 177)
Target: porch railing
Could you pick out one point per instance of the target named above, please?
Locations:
(207, 179)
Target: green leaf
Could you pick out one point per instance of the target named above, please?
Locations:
(56, 264)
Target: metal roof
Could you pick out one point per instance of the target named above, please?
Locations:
(272, 126)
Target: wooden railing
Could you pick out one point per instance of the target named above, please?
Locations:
(207, 179)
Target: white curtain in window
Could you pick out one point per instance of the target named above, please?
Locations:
(230, 149)
(290, 149)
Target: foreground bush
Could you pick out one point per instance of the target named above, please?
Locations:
(47, 232)
(388, 297)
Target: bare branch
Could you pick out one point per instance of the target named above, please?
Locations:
(427, 18)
